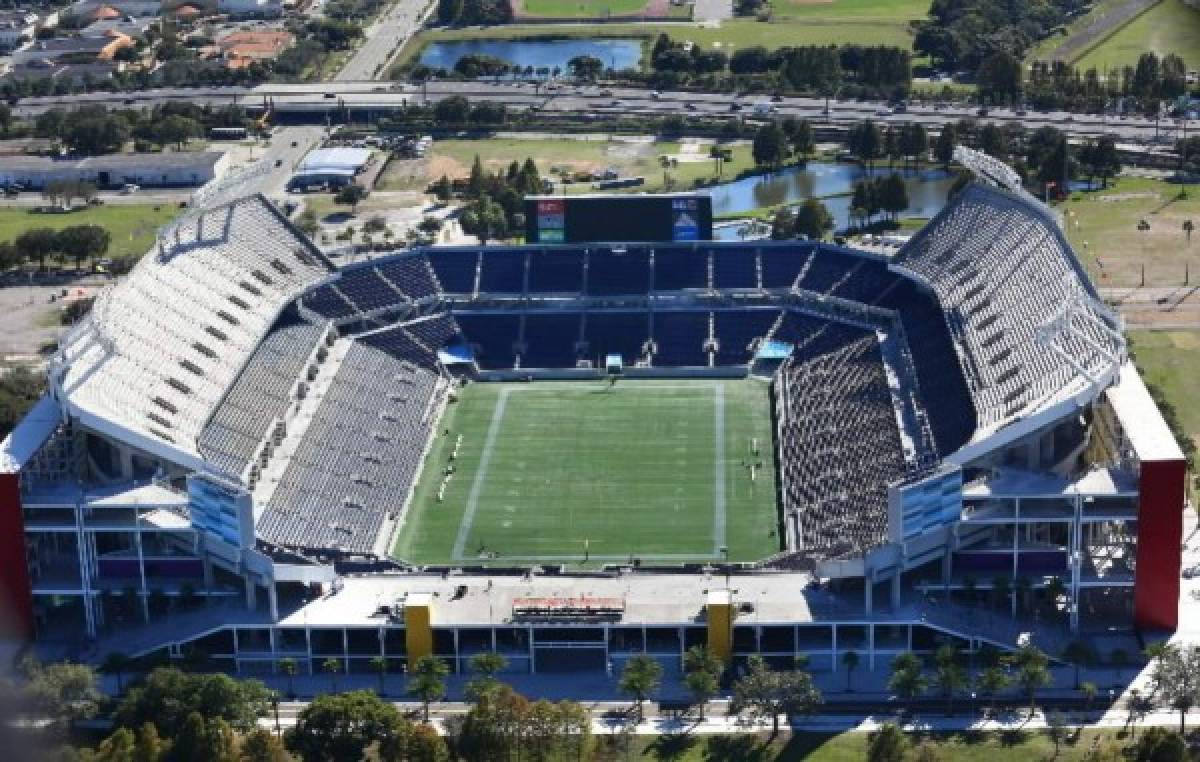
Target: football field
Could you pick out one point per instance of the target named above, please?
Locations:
(578, 472)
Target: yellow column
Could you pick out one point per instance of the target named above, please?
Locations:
(719, 611)
(418, 626)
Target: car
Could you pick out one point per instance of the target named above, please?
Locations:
(656, 95)
(294, 144)
(279, 162)
(615, 102)
(982, 111)
(777, 98)
(129, 189)
(1020, 112)
(690, 106)
(735, 106)
(606, 93)
(330, 95)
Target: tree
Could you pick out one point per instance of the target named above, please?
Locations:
(64, 692)
(288, 667)
(178, 130)
(201, 740)
(260, 745)
(943, 148)
(850, 661)
(1079, 654)
(405, 741)
(888, 744)
(783, 224)
(802, 139)
(907, 680)
(1033, 673)
(914, 143)
(991, 682)
(865, 141)
(427, 681)
(115, 664)
(1106, 161)
(451, 111)
(118, 747)
(770, 146)
(950, 676)
(149, 747)
(350, 195)
(1188, 228)
(332, 666)
(379, 665)
(339, 727)
(485, 219)
(167, 695)
(36, 244)
(702, 674)
(893, 195)
(585, 68)
(764, 694)
(476, 180)
(640, 677)
(1056, 728)
(1000, 78)
(82, 242)
(813, 219)
(1160, 745)
(485, 666)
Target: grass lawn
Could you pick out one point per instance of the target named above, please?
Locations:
(803, 29)
(1169, 27)
(544, 467)
(571, 9)
(132, 226)
(555, 157)
(852, 747)
(1116, 250)
(1170, 360)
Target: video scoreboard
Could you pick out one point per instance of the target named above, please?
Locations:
(618, 218)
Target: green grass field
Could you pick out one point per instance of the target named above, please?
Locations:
(1116, 249)
(652, 469)
(1169, 27)
(132, 226)
(570, 9)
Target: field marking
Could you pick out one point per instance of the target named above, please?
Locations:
(719, 511)
(464, 527)
(719, 468)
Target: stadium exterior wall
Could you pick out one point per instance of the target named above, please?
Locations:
(16, 595)
(1160, 532)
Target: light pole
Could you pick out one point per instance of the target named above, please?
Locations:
(725, 558)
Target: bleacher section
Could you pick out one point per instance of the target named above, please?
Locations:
(493, 336)
(735, 268)
(781, 266)
(353, 469)
(456, 270)
(261, 394)
(839, 444)
(680, 337)
(556, 271)
(158, 350)
(618, 271)
(1005, 277)
(678, 269)
(401, 344)
(503, 272)
(736, 330)
(622, 333)
(550, 340)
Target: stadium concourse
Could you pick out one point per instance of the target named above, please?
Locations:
(570, 453)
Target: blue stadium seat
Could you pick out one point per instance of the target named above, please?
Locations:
(550, 340)
(735, 329)
(680, 268)
(621, 333)
(455, 270)
(735, 268)
(503, 271)
(680, 338)
(493, 336)
(781, 265)
(623, 272)
(556, 271)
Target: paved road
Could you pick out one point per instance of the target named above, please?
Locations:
(384, 39)
(309, 102)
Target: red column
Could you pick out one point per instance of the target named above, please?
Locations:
(1159, 552)
(16, 598)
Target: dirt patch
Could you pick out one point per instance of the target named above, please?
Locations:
(444, 165)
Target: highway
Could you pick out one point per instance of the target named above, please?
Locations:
(315, 102)
(318, 102)
(384, 39)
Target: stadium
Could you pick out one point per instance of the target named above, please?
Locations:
(573, 452)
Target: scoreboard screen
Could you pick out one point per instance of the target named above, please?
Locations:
(618, 218)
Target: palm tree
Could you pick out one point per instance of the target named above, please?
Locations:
(950, 676)
(379, 666)
(640, 677)
(990, 682)
(427, 681)
(1079, 654)
(486, 666)
(331, 667)
(289, 668)
(702, 674)
(850, 661)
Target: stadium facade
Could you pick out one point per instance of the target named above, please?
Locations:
(231, 439)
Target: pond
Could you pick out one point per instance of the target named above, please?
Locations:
(927, 189)
(616, 53)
